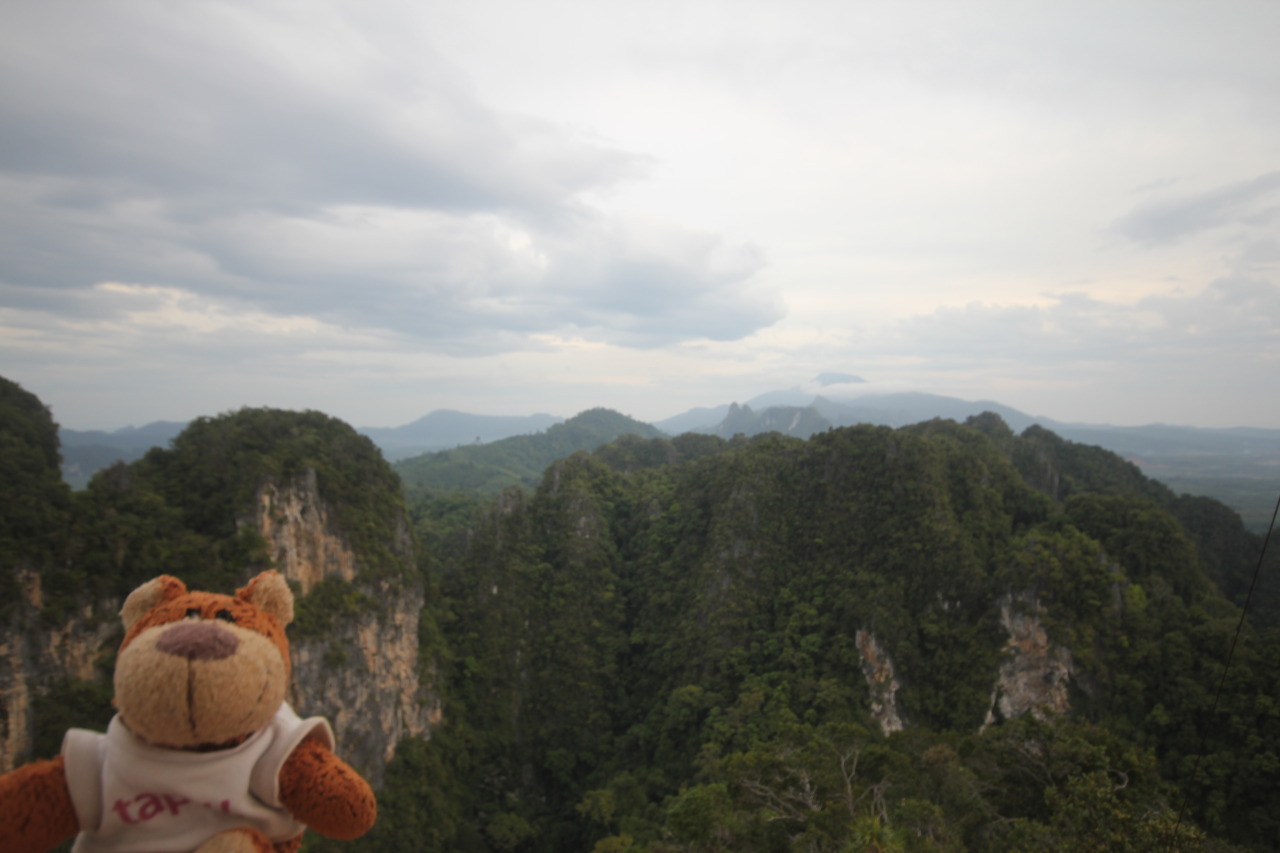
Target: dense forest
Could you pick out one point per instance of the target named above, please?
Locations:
(696, 643)
(659, 650)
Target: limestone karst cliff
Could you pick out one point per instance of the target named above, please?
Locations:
(1035, 674)
(299, 492)
(877, 669)
(38, 658)
(356, 657)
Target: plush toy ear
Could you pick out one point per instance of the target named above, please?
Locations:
(271, 594)
(144, 599)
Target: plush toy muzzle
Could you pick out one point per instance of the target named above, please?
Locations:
(198, 684)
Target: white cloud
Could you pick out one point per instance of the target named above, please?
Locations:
(586, 203)
(1250, 204)
(1230, 317)
(259, 157)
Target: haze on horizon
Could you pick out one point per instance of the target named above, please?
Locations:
(377, 210)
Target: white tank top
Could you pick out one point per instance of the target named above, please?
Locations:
(132, 797)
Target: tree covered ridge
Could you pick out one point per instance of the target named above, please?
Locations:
(651, 651)
(184, 510)
(189, 510)
(486, 469)
(34, 502)
(657, 648)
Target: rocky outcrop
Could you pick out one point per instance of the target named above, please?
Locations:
(1036, 672)
(364, 671)
(801, 422)
(877, 669)
(15, 700)
(305, 545)
(35, 656)
(364, 676)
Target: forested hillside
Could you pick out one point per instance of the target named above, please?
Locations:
(943, 637)
(297, 491)
(487, 469)
(444, 428)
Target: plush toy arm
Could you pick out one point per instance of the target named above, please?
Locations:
(322, 791)
(36, 813)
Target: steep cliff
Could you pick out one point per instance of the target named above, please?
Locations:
(37, 659)
(1035, 674)
(300, 492)
(356, 657)
(48, 634)
(877, 669)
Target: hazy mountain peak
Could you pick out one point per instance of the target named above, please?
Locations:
(830, 378)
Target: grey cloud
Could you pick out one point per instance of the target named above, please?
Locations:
(186, 106)
(1255, 202)
(175, 146)
(460, 286)
(658, 284)
(1232, 318)
(453, 283)
(1158, 184)
(1260, 255)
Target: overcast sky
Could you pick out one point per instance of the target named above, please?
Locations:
(378, 209)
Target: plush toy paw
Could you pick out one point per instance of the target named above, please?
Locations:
(237, 841)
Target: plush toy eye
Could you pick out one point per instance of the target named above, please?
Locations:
(225, 616)
(193, 613)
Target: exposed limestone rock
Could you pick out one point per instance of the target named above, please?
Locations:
(305, 544)
(1035, 674)
(363, 673)
(34, 657)
(15, 703)
(877, 668)
(364, 676)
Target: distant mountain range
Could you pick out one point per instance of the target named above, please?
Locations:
(487, 469)
(903, 409)
(1239, 466)
(84, 452)
(444, 429)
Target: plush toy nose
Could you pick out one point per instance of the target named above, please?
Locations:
(198, 641)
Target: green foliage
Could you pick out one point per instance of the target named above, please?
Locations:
(69, 704)
(659, 649)
(702, 816)
(674, 644)
(35, 505)
(442, 522)
(217, 467)
(182, 511)
(189, 512)
(1062, 468)
(418, 804)
(488, 469)
(126, 533)
(1071, 577)
(332, 601)
(1142, 537)
(633, 453)
(1230, 555)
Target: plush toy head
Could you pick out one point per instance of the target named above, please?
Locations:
(198, 670)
